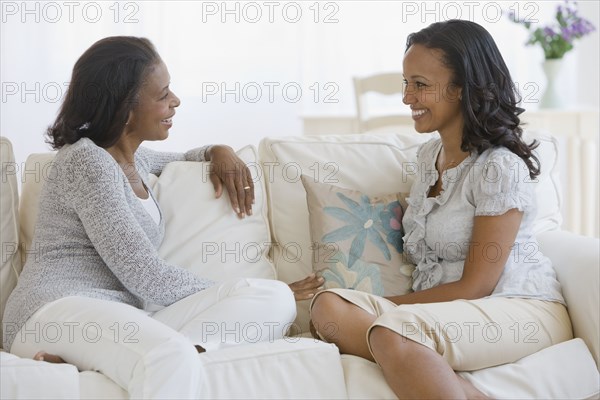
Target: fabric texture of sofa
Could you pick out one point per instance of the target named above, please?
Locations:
(202, 234)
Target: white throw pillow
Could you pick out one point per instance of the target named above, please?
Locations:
(203, 233)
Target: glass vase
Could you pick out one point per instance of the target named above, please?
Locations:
(552, 97)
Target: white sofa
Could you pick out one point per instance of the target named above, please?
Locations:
(204, 235)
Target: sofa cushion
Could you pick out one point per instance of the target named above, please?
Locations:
(203, 233)
(10, 260)
(252, 371)
(23, 378)
(289, 368)
(97, 386)
(357, 239)
(563, 371)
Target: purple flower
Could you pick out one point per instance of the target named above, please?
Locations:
(566, 34)
(557, 38)
(571, 11)
(549, 31)
(586, 27)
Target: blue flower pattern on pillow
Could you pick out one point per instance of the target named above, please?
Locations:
(361, 276)
(363, 221)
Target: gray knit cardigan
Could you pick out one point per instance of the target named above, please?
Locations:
(94, 238)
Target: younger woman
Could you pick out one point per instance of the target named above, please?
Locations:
(483, 294)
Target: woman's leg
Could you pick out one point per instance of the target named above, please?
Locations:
(236, 312)
(340, 321)
(143, 356)
(414, 371)
(418, 346)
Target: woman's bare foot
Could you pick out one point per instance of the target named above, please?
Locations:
(51, 358)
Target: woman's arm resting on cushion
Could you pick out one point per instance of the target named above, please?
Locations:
(226, 169)
(155, 161)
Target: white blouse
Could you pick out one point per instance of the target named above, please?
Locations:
(151, 207)
(438, 229)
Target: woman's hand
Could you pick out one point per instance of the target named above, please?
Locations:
(307, 287)
(229, 170)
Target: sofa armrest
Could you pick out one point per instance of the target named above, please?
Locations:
(576, 260)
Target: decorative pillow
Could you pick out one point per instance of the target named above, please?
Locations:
(357, 239)
(202, 233)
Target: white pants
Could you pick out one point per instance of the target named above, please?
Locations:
(151, 355)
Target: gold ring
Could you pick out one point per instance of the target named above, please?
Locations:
(246, 187)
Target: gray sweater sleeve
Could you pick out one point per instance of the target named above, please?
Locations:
(97, 191)
(154, 161)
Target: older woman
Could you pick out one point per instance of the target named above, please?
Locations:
(98, 281)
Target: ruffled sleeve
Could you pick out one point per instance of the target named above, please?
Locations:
(504, 184)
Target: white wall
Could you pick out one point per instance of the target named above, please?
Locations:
(588, 88)
(317, 51)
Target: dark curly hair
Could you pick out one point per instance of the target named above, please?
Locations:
(104, 87)
(489, 100)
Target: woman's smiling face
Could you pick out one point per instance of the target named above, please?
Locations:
(152, 116)
(430, 93)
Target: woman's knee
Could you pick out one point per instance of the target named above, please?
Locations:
(277, 297)
(385, 342)
(176, 351)
(323, 322)
(325, 306)
(279, 290)
(170, 369)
